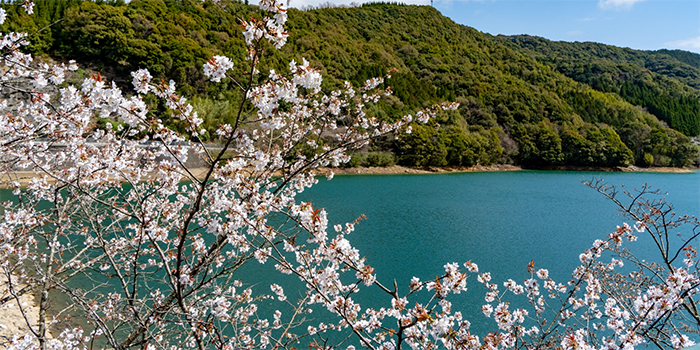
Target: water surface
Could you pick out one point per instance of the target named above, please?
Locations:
(499, 220)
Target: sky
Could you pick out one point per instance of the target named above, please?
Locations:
(637, 24)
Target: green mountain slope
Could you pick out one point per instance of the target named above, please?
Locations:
(690, 58)
(664, 82)
(523, 99)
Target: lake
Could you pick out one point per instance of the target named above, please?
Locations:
(500, 220)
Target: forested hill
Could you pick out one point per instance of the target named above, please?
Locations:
(664, 82)
(523, 99)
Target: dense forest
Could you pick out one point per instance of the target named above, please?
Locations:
(524, 100)
(665, 82)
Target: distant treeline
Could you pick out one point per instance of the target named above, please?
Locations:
(524, 100)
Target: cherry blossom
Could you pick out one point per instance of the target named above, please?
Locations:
(119, 207)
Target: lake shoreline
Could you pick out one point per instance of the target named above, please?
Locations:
(23, 177)
(12, 319)
(398, 169)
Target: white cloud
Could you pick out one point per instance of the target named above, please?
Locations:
(617, 4)
(692, 44)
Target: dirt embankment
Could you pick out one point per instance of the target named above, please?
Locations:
(23, 177)
(629, 169)
(12, 320)
(397, 169)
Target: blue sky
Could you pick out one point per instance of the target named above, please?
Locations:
(638, 24)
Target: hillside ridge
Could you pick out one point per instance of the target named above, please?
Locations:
(524, 100)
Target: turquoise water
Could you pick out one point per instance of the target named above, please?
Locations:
(499, 220)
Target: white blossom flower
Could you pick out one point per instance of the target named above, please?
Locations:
(217, 67)
(141, 81)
